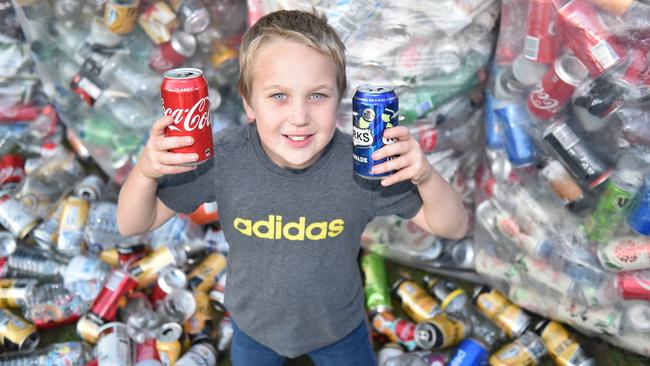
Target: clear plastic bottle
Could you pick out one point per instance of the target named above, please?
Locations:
(57, 354)
(32, 262)
(52, 303)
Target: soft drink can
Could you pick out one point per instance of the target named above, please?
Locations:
(514, 121)
(375, 108)
(15, 217)
(128, 253)
(114, 346)
(200, 354)
(509, 317)
(203, 276)
(146, 353)
(634, 285)
(12, 169)
(397, 330)
(470, 352)
(493, 132)
(193, 13)
(168, 343)
(541, 43)
(16, 333)
(416, 302)
(625, 253)
(527, 350)
(440, 331)
(376, 283)
(185, 98)
(610, 211)
(576, 155)
(556, 87)
(584, 33)
(562, 348)
(117, 286)
(120, 15)
(639, 217)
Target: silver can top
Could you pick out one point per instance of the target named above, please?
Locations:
(570, 69)
(375, 89)
(182, 73)
(183, 43)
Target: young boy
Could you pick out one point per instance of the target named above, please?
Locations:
(290, 204)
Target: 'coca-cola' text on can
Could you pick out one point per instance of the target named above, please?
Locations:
(185, 98)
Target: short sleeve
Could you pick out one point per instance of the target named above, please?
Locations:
(185, 192)
(401, 199)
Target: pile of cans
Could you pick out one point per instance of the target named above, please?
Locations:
(101, 64)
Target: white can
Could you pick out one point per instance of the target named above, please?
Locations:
(201, 354)
(114, 347)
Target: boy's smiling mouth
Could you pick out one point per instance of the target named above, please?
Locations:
(299, 140)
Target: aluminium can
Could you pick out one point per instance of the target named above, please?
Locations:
(508, 316)
(376, 283)
(168, 342)
(415, 300)
(638, 219)
(206, 273)
(114, 347)
(375, 108)
(470, 352)
(561, 346)
(16, 333)
(526, 350)
(118, 285)
(200, 354)
(441, 331)
(120, 15)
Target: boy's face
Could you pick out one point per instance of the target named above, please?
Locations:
(294, 100)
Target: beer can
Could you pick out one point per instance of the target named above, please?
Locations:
(528, 350)
(563, 349)
(626, 253)
(110, 256)
(171, 278)
(452, 298)
(74, 215)
(201, 326)
(576, 155)
(514, 120)
(509, 317)
(541, 44)
(168, 343)
(634, 285)
(470, 352)
(441, 331)
(638, 219)
(14, 292)
(375, 108)
(120, 15)
(88, 328)
(16, 333)
(15, 217)
(586, 36)
(114, 345)
(146, 270)
(375, 283)
(185, 98)
(200, 354)
(415, 300)
(203, 276)
(90, 188)
(117, 286)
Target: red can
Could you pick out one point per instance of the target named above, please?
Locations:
(185, 98)
(556, 87)
(171, 278)
(584, 33)
(541, 42)
(634, 285)
(638, 68)
(146, 351)
(127, 254)
(12, 169)
(117, 286)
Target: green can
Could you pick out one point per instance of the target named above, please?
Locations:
(376, 283)
(610, 211)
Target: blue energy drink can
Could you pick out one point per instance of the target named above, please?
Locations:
(469, 352)
(639, 217)
(374, 109)
(514, 122)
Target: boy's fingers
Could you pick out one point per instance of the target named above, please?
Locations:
(167, 143)
(158, 128)
(399, 176)
(393, 149)
(177, 158)
(399, 132)
(390, 165)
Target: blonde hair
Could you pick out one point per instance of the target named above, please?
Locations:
(299, 26)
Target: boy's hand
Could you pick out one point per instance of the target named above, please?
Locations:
(156, 160)
(409, 161)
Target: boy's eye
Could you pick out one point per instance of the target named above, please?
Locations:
(278, 96)
(318, 96)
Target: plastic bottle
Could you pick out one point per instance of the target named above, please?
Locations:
(66, 353)
(52, 304)
(31, 262)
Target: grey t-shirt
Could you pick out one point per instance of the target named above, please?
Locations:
(294, 284)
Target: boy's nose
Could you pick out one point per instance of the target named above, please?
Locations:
(300, 114)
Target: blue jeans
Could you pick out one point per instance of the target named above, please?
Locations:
(353, 350)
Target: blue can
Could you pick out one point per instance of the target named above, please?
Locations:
(374, 109)
(469, 352)
(514, 121)
(493, 132)
(639, 217)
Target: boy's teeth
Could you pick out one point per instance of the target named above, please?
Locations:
(297, 138)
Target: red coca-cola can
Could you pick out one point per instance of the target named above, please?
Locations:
(173, 53)
(117, 286)
(541, 43)
(634, 285)
(584, 33)
(12, 169)
(185, 98)
(556, 87)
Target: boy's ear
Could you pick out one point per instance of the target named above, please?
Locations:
(249, 111)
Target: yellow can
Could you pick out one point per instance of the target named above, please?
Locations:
(528, 350)
(120, 15)
(203, 276)
(72, 222)
(146, 270)
(110, 256)
(88, 329)
(416, 302)
(16, 332)
(222, 53)
(168, 343)
(13, 292)
(508, 316)
(441, 331)
(562, 348)
(202, 325)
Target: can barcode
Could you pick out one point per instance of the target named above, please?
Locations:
(531, 48)
(114, 281)
(565, 136)
(604, 54)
